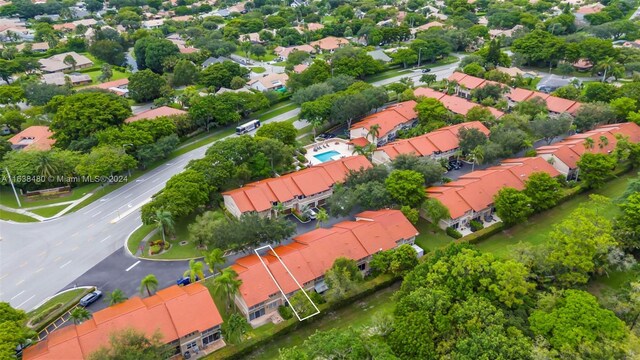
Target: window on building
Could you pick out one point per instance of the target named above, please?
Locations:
(362, 266)
(256, 314)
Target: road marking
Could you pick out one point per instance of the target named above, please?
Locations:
(76, 234)
(103, 240)
(126, 197)
(24, 264)
(20, 293)
(96, 214)
(32, 296)
(131, 267)
(155, 180)
(65, 264)
(42, 254)
(19, 282)
(3, 276)
(59, 243)
(58, 259)
(39, 269)
(75, 248)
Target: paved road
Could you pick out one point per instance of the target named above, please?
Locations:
(86, 247)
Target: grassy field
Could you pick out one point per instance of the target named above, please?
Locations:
(536, 230)
(67, 299)
(11, 216)
(258, 69)
(95, 74)
(137, 236)
(267, 57)
(356, 315)
(8, 199)
(49, 211)
(431, 237)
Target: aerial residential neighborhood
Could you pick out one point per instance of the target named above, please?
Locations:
(310, 179)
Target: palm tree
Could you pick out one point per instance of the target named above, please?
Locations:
(227, 284)
(149, 283)
(195, 270)
(478, 156)
(79, 315)
(315, 123)
(115, 297)
(234, 328)
(278, 208)
(213, 259)
(164, 222)
(45, 166)
(321, 217)
(606, 65)
(374, 132)
(588, 143)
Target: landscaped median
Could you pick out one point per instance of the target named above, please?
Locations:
(56, 306)
(267, 333)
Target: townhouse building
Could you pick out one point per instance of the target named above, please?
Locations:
(456, 105)
(389, 121)
(308, 187)
(439, 144)
(310, 255)
(186, 317)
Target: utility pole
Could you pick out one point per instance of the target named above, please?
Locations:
(419, 56)
(13, 187)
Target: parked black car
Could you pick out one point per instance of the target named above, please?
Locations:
(185, 281)
(426, 70)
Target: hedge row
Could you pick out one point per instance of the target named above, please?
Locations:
(45, 322)
(242, 350)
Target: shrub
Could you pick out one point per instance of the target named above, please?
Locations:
(43, 315)
(155, 249)
(167, 245)
(285, 312)
(302, 151)
(453, 233)
(317, 298)
(475, 225)
(530, 153)
(301, 158)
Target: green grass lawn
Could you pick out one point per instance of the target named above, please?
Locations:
(137, 236)
(117, 75)
(536, 230)
(431, 237)
(11, 216)
(356, 315)
(258, 69)
(49, 211)
(67, 299)
(267, 57)
(8, 199)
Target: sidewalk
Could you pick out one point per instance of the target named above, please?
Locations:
(25, 210)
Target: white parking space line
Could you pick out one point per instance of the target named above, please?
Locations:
(32, 296)
(105, 239)
(65, 264)
(18, 294)
(131, 267)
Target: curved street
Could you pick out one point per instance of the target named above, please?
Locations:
(86, 247)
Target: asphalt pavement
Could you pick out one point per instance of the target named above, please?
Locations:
(86, 247)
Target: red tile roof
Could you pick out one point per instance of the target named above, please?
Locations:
(156, 113)
(359, 141)
(260, 195)
(454, 104)
(475, 190)
(390, 118)
(115, 86)
(329, 43)
(554, 103)
(441, 140)
(174, 311)
(33, 138)
(313, 253)
(571, 149)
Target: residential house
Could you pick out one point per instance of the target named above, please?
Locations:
(186, 317)
(454, 104)
(389, 122)
(496, 33)
(253, 38)
(329, 44)
(152, 24)
(439, 144)
(284, 52)
(59, 78)
(268, 82)
(515, 71)
(564, 155)
(300, 68)
(470, 197)
(465, 84)
(379, 55)
(12, 29)
(425, 27)
(309, 27)
(583, 65)
(38, 47)
(56, 62)
(266, 283)
(555, 105)
(33, 138)
(214, 60)
(156, 113)
(118, 87)
(308, 187)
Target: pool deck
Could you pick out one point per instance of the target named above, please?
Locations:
(339, 145)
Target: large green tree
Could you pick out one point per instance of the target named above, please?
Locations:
(283, 131)
(594, 169)
(146, 86)
(13, 330)
(80, 115)
(105, 161)
(133, 344)
(512, 206)
(543, 190)
(406, 187)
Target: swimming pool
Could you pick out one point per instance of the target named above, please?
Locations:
(326, 156)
